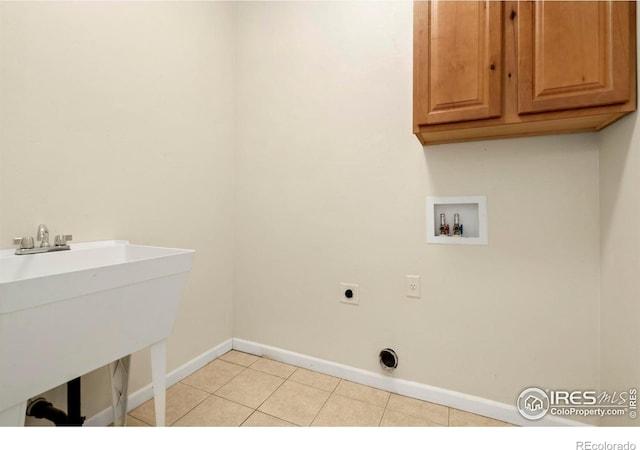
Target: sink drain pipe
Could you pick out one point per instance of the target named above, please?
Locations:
(73, 403)
(40, 408)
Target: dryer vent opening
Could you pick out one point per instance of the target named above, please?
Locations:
(388, 359)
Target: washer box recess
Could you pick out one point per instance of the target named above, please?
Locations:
(473, 217)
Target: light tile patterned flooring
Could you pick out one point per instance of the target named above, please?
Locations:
(239, 389)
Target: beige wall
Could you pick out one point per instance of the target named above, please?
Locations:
(620, 260)
(117, 122)
(620, 263)
(332, 187)
(128, 120)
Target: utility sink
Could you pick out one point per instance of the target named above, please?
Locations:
(63, 314)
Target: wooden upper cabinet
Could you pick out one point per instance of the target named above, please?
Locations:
(492, 69)
(458, 63)
(572, 54)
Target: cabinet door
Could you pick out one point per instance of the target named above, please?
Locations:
(457, 61)
(572, 54)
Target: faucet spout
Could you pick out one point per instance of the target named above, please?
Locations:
(43, 236)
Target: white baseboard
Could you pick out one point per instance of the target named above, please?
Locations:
(477, 405)
(105, 417)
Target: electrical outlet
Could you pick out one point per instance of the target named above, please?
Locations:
(413, 286)
(349, 293)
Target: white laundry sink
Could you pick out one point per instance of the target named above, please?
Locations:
(63, 314)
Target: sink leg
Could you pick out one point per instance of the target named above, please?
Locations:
(14, 416)
(159, 379)
(119, 375)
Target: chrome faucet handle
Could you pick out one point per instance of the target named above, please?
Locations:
(61, 239)
(24, 242)
(43, 235)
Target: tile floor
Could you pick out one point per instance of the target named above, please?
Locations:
(239, 389)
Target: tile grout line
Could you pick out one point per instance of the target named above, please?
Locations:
(194, 407)
(270, 395)
(244, 421)
(254, 409)
(209, 395)
(276, 389)
(275, 417)
(384, 410)
(333, 391)
(320, 410)
(244, 369)
(191, 409)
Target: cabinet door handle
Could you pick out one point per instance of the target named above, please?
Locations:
(492, 67)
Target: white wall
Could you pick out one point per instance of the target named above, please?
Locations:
(332, 186)
(620, 257)
(117, 122)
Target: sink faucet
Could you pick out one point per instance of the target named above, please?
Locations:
(42, 235)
